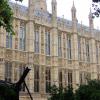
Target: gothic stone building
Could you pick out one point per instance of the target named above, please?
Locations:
(57, 50)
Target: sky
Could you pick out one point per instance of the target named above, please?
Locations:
(64, 9)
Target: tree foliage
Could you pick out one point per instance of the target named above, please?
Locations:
(96, 0)
(6, 16)
(91, 91)
(69, 94)
(96, 8)
(60, 93)
(7, 93)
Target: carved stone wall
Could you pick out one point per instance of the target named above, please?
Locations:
(43, 21)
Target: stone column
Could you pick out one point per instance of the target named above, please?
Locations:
(2, 71)
(54, 42)
(84, 47)
(83, 50)
(13, 68)
(54, 76)
(64, 45)
(1, 39)
(54, 69)
(30, 49)
(42, 80)
(16, 36)
(74, 39)
(13, 37)
(81, 56)
(75, 60)
(65, 77)
(30, 79)
(16, 71)
(1, 36)
(2, 63)
(93, 66)
(30, 36)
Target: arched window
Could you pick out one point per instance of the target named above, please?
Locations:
(36, 42)
(59, 45)
(36, 78)
(8, 71)
(70, 78)
(47, 42)
(69, 53)
(87, 51)
(21, 70)
(60, 78)
(79, 48)
(48, 79)
(8, 40)
(22, 36)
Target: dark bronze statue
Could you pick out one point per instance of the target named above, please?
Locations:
(10, 91)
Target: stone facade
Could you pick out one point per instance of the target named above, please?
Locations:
(57, 50)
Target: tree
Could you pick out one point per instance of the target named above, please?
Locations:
(7, 92)
(96, 0)
(54, 91)
(60, 93)
(96, 8)
(6, 16)
(91, 91)
(68, 94)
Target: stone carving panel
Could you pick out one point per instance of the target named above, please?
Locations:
(69, 61)
(36, 59)
(16, 55)
(1, 52)
(8, 55)
(30, 58)
(54, 61)
(48, 60)
(16, 42)
(42, 78)
(20, 56)
(60, 62)
(23, 56)
(64, 63)
(42, 59)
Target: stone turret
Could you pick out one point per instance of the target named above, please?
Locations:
(74, 19)
(54, 43)
(30, 26)
(31, 8)
(91, 24)
(31, 3)
(93, 48)
(54, 13)
(40, 5)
